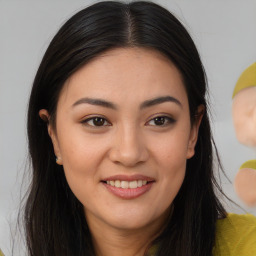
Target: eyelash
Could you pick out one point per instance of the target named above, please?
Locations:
(167, 121)
(93, 119)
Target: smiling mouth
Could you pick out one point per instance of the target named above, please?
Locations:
(128, 187)
(127, 184)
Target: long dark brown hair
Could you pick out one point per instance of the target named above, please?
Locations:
(54, 219)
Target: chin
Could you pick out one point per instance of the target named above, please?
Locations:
(138, 219)
(131, 225)
(131, 221)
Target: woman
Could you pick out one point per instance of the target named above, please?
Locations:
(120, 141)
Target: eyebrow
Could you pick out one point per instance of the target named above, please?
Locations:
(97, 102)
(159, 100)
(145, 104)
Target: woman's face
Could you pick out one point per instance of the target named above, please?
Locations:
(123, 134)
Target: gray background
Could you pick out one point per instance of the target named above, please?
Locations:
(224, 32)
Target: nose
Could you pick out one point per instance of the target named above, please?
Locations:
(128, 147)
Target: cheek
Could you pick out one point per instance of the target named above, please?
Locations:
(79, 152)
(81, 156)
(80, 165)
(173, 168)
(171, 150)
(78, 148)
(171, 158)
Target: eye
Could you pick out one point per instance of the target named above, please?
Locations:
(96, 121)
(161, 121)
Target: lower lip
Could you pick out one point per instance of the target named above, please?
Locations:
(129, 193)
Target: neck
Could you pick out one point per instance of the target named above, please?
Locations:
(111, 241)
(120, 243)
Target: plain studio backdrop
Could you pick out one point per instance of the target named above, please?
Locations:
(223, 30)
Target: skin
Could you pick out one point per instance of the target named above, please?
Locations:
(129, 142)
(245, 181)
(244, 116)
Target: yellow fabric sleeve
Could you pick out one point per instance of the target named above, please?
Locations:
(236, 236)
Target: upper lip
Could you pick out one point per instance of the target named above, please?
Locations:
(129, 177)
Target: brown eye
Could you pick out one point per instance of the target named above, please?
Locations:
(96, 121)
(161, 121)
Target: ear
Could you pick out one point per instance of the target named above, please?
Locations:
(44, 115)
(194, 131)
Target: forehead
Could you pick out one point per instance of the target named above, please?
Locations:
(126, 73)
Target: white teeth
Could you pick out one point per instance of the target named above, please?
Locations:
(133, 184)
(124, 184)
(127, 184)
(139, 183)
(117, 183)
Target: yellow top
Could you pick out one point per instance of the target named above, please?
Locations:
(236, 236)
(247, 79)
